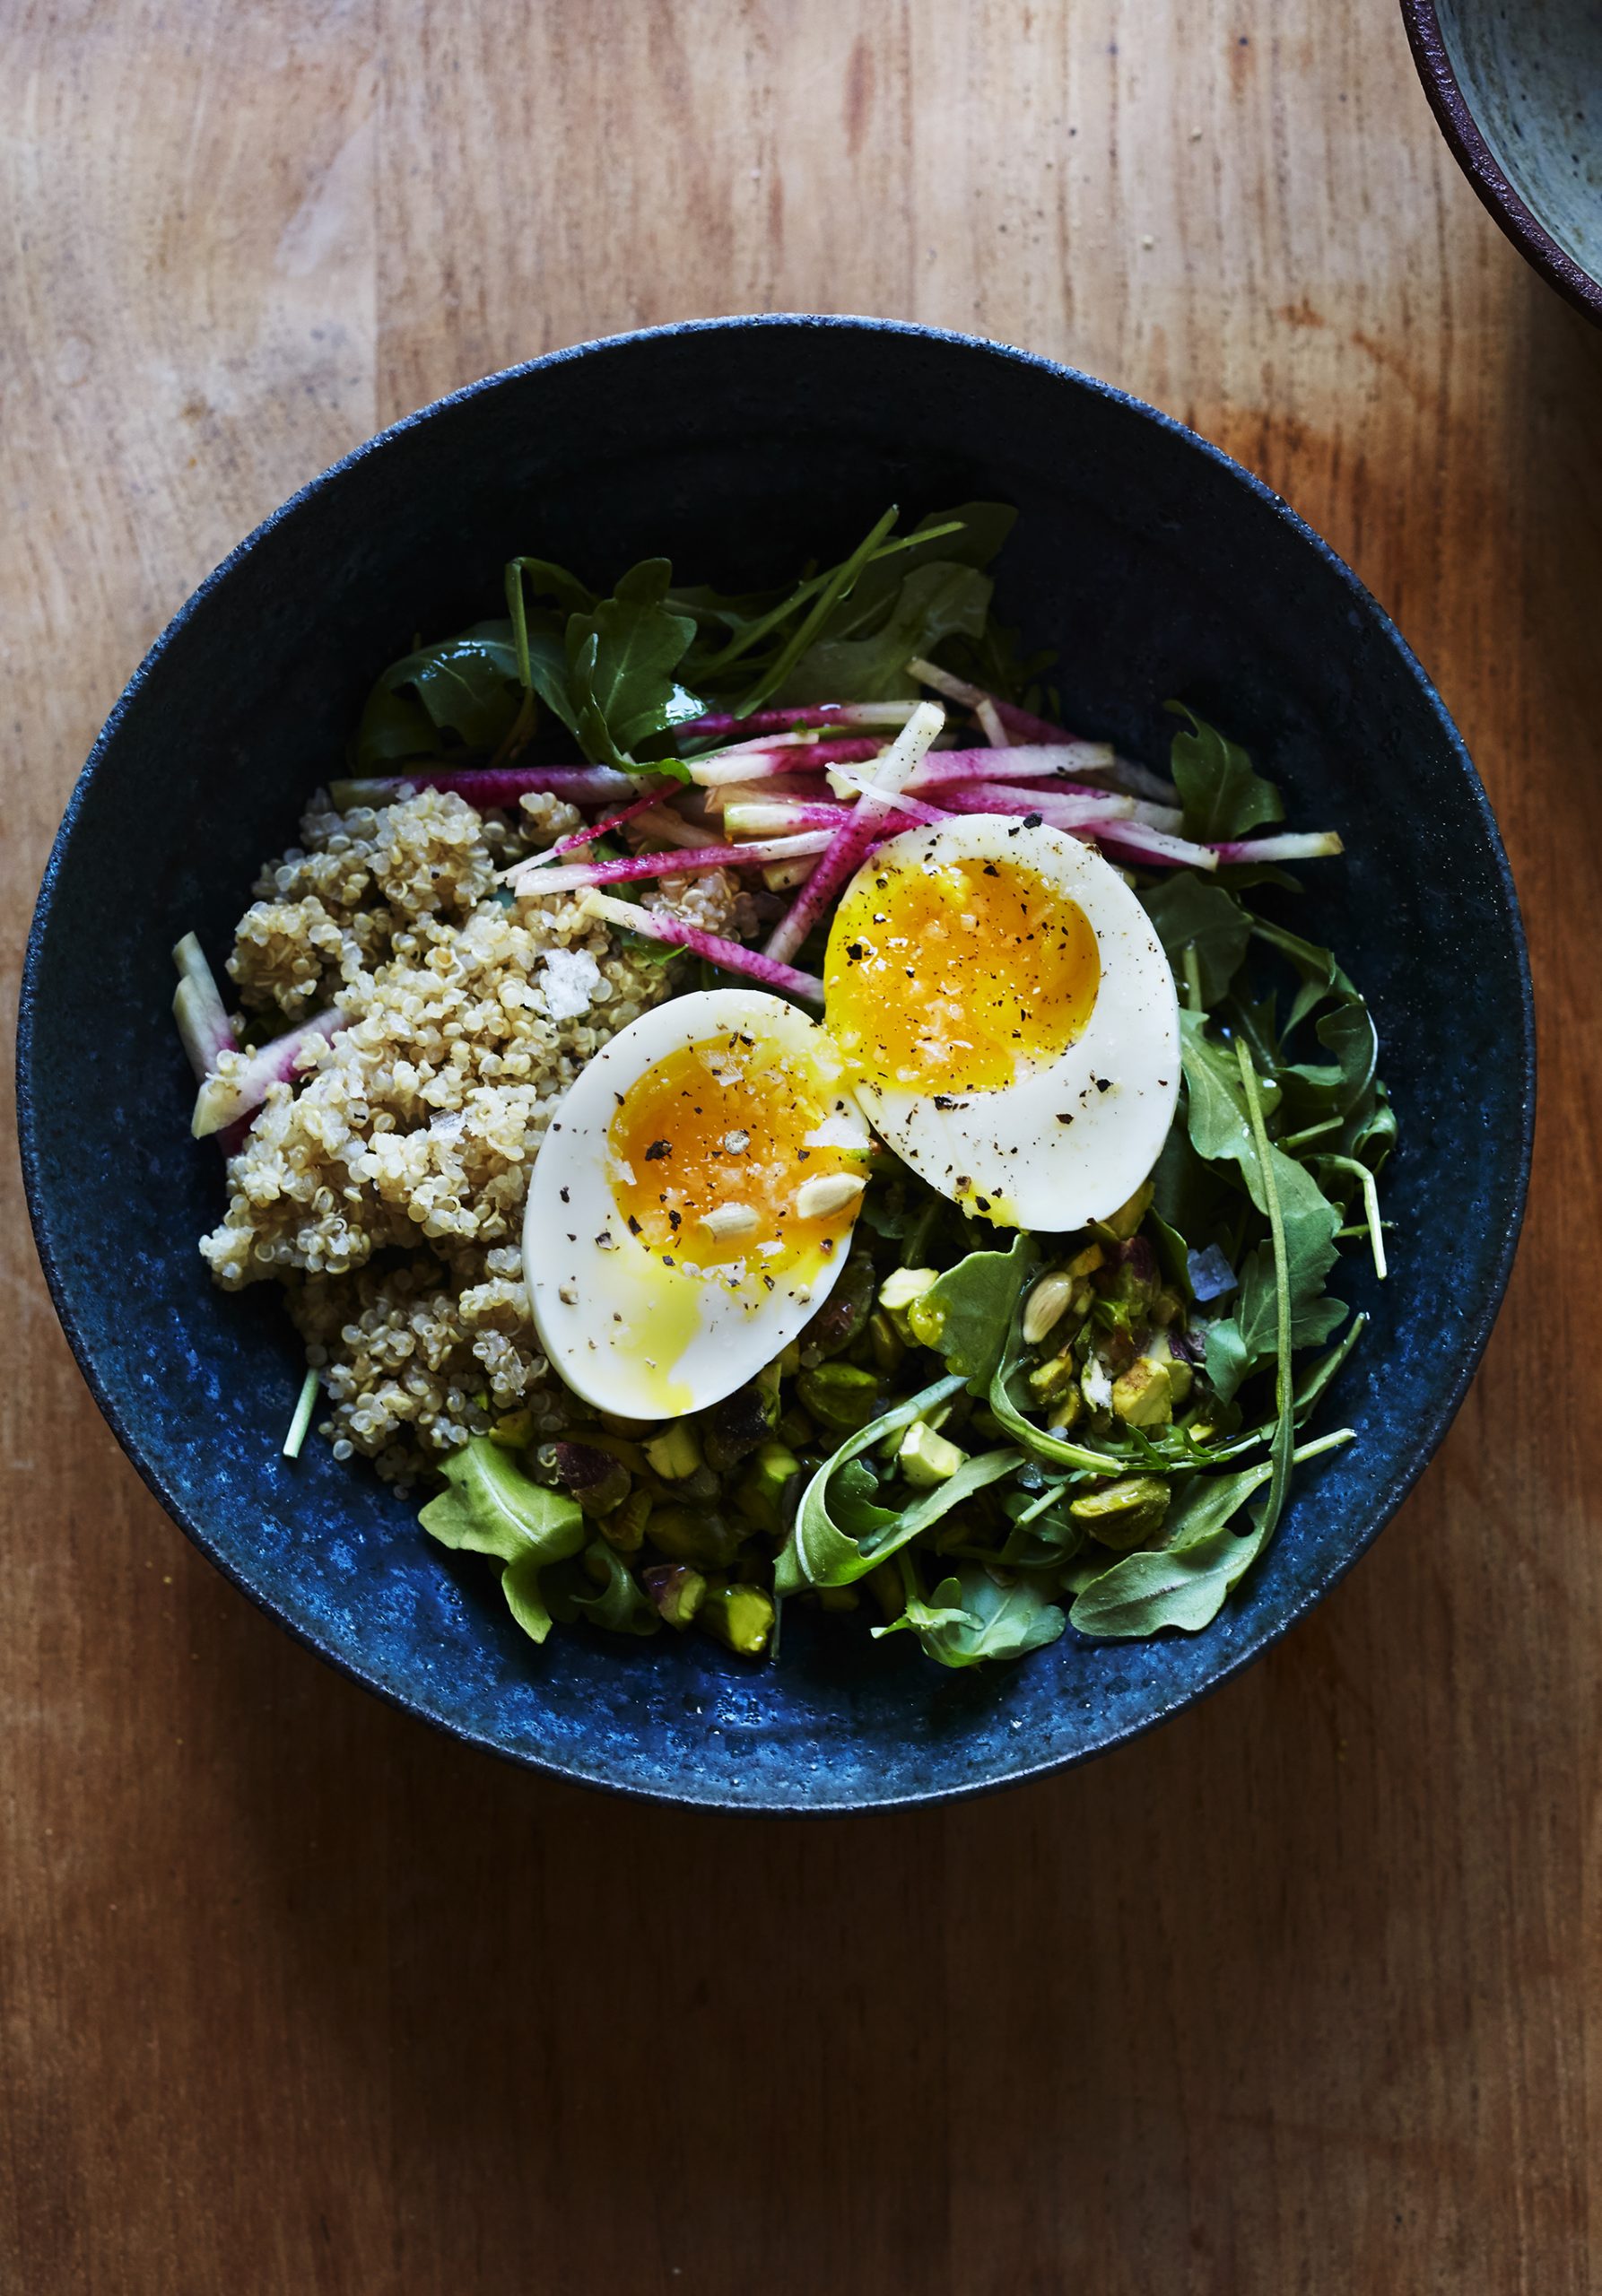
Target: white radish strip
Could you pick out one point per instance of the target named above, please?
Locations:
(243, 1084)
(733, 956)
(989, 719)
(1141, 844)
(955, 689)
(673, 829)
(1168, 817)
(1123, 773)
(573, 876)
(765, 793)
(1310, 845)
(784, 876)
(1034, 761)
(811, 713)
(912, 808)
(758, 761)
(203, 1027)
(892, 772)
(203, 1031)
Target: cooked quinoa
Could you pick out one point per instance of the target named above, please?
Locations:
(384, 1191)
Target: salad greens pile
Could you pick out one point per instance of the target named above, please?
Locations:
(620, 672)
(989, 1444)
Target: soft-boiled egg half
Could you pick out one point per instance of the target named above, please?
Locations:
(1008, 1019)
(692, 1201)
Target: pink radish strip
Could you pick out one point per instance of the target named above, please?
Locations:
(1152, 844)
(996, 797)
(760, 759)
(227, 1096)
(573, 876)
(602, 829)
(1049, 762)
(785, 721)
(1310, 845)
(849, 842)
(733, 956)
(497, 785)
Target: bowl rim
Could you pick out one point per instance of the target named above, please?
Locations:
(1457, 122)
(1408, 1469)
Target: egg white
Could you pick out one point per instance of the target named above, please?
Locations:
(626, 1333)
(1071, 1142)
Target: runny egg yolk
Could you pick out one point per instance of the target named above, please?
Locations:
(958, 977)
(714, 1150)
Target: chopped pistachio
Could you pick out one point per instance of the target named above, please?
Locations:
(1129, 1216)
(885, 1341)
(676, 1452)
(1123, 1515)
(1085, 1263)
(1142, 1396)
(900, 1292)
(1067, 1411)
(760, 1492)
(927, 1458)
(839, 1394)
(740, 1617)
(514, 1432)
(733, 1427)
(697, 1534)
(677, 1589)
(591, 1476)
(624, 1527)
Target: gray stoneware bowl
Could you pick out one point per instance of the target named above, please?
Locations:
(740, 447)
(1517, 87)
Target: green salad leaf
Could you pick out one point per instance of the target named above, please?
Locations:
(621, 660)
(843, 1530)
(459, 696)
(972, 1617)
(1183, 1582)
(1222, 795)
(934, 602)
(491, 1507)
(1191, 914)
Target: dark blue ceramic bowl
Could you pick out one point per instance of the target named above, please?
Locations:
(740, 447)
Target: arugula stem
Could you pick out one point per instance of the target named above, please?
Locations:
(838, 586)
(1370, 1204)
(518, 608)
(1193, 986)
(1294, 1140)
(765, 624)
(1284, 1431)
(305, 1404)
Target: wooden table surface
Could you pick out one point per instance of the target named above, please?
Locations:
(1303, 1993)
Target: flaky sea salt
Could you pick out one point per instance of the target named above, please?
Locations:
(570, 980)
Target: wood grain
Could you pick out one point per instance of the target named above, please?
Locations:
(1301, 1995)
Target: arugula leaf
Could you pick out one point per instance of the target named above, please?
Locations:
(1283, 1441)
(1221, 1132)
(620, 659)
(972, 1304)
(1222, 795)
(622, 1605)
(824, 1550)
(491, 1507)
(970, 1618)
(1189, 913)
(933, 603)
(459, 695)
(1183, 1582)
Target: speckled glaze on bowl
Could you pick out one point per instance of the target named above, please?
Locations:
(740, 447)
(1517, 87)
